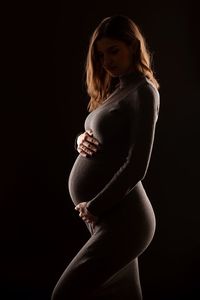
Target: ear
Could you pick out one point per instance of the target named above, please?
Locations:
(135, 46)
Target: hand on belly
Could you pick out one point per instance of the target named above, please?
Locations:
(84, 213)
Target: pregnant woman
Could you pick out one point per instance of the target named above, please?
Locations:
(114, 153)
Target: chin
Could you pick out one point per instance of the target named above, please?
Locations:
(114, 73)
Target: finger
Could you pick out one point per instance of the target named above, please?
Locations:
(84, 149)
(91, 140)
(90, 221)
(89, 146)
(87, 221)
(84, 218)
(87, 217)
(89, 131)
(79, 207)
(82, 153)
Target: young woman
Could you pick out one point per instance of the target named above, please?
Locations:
(114, 153)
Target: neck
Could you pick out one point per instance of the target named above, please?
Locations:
(129, 78)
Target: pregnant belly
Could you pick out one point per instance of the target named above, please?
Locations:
(88, 176)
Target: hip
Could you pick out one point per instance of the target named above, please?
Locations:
(134, 212)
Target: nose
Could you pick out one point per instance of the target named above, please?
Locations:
(107, 62)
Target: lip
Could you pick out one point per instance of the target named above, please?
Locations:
(114, 71)
(111, 68)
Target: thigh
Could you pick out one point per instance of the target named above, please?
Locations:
(99, 259)
(118, 239)
(124, 284)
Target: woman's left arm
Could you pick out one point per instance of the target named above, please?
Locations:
(135, 167)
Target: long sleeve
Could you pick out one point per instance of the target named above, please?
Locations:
(136, 164)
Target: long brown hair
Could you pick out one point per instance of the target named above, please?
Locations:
(99, 83)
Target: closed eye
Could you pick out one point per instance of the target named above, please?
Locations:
(114, 51)
(110, 51)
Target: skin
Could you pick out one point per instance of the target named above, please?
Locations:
(116, 58)
(87, 145)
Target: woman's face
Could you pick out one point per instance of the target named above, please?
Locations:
(116, 56)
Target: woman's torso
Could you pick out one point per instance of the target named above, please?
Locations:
(110, 124)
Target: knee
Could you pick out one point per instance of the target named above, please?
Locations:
(57, 294)
(63, 292)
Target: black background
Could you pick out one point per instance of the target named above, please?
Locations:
(43, 107)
